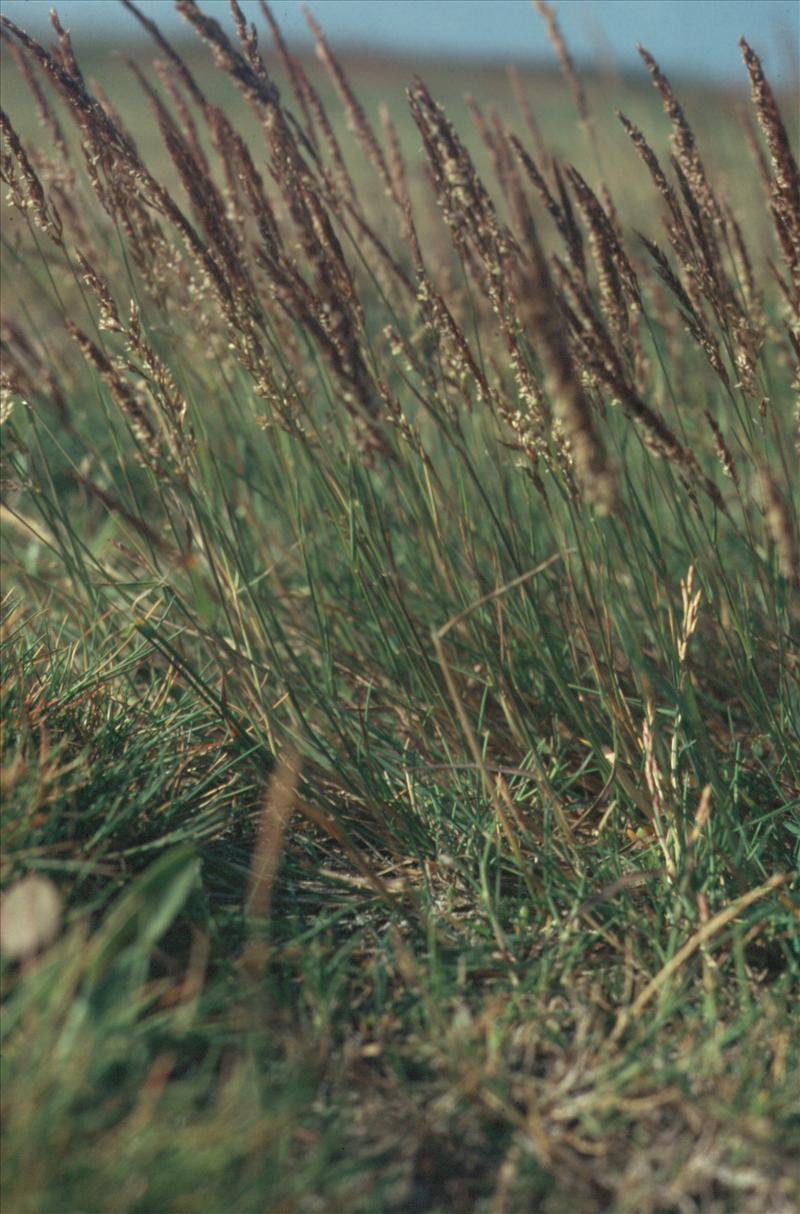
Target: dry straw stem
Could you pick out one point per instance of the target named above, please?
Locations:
(704, 934)
(341, 177)
(740, 255)
(184, 75)
(43, 107)
(335, 831)
(627, 881)
(355, 111)
(781, 523)
(525, 110)
(567, 66)
(297, 78)
(279, 804)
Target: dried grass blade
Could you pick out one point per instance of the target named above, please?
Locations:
(705, 933)
(279, 804)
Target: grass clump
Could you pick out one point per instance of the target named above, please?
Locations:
(402, 669)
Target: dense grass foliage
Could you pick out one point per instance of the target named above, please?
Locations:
(401, 731)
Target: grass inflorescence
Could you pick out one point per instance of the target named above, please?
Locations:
(401, 731)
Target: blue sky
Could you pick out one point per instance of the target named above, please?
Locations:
(695, 37)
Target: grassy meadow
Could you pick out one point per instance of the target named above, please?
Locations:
(401, 606)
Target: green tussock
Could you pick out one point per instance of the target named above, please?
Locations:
(400, 637)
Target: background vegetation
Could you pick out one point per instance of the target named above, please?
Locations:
(400, 712)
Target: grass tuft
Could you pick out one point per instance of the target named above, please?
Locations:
(401, 715)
